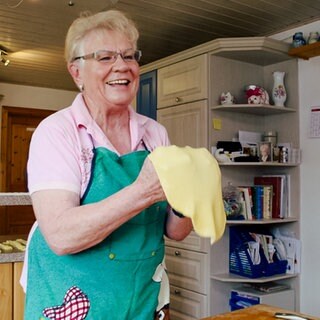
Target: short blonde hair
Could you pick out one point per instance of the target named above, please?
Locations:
(111, 20)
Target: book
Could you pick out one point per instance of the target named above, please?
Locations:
(243, 210)
(267, 202)
(286, 191)
(257, 199)
(277, 192)
(248, 201)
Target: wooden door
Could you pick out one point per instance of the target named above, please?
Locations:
(187, 124)
(17, 127)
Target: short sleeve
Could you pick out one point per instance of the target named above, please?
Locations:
(53, 161)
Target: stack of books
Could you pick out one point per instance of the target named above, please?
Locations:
(267, 198)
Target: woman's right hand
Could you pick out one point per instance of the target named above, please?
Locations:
(149, 182)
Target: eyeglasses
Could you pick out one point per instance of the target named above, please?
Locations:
(106, 56)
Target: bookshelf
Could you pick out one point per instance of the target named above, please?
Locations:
(237, 74)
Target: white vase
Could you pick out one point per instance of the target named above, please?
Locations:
(279, 93)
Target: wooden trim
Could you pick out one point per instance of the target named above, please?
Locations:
(306, 52)
(275, 48)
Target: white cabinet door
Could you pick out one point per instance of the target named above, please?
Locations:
(183, 82)
(187, 269)
(187, 305)
(187, 124)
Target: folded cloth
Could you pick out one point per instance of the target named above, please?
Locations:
(191, 180)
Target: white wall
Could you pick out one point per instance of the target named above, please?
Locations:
(34, 97)
(309, 93)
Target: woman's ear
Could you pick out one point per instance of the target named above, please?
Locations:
(74, 69)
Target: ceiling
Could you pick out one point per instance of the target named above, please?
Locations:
(33, 31)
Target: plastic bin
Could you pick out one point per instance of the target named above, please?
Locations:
(240, 262)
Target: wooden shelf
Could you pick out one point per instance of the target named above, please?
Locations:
(229, 277)
(261, 109)
(306, 52)
(261, 221)
(258, 164)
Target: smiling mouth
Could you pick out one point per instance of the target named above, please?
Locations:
(118, 82)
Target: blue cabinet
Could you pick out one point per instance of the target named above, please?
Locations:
(147, 95)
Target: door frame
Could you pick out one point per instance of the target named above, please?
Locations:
(7, 114)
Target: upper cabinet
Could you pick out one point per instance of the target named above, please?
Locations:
(183, 82)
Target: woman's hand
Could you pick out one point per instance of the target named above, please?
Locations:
(149, 182)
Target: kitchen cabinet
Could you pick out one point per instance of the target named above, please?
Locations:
(186, 123)
(18, 293)
(11, 294)
(188, 269)
(227, 64)
(183, 82)
(183, 110)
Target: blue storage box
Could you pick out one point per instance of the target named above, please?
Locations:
(240, 262)
(240, 301)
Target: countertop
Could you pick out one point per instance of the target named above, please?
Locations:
(257, 312)
(11, 257)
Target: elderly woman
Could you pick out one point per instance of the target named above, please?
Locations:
(96, 251)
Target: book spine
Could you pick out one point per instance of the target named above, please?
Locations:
(257, 202)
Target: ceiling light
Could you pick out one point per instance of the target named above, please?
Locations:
(4, 60)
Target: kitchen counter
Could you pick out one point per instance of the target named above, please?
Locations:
(11, 257)
(257, 312)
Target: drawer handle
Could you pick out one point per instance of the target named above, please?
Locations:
(177, 292)
(177, 253)
(178, 99)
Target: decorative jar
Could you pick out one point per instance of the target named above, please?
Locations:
(279, 93)
(313, 37)
(298, 40)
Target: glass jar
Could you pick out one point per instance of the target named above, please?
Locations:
(313, 37)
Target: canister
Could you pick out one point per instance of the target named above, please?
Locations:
(271, 136)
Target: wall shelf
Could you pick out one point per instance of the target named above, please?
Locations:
(306, 52)
(261, 221)
(261, 109)
(257, 164)
(229, 277)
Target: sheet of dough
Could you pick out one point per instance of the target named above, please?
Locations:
(191, 180)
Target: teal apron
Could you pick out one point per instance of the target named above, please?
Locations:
(112, 280)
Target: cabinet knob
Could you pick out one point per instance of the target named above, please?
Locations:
(178, 99)
(177, 253)
(177, 292)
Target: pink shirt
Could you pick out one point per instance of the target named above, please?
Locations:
(61, 147)
(61, 153)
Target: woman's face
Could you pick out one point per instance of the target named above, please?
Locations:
(108, 84)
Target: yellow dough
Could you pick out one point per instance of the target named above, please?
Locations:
(191, 180)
